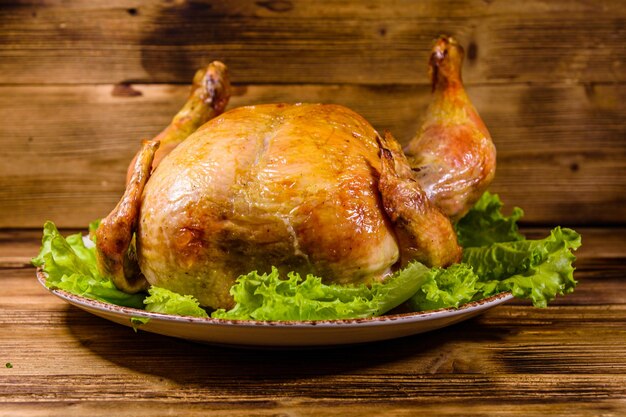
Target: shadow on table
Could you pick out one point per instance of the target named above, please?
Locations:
(440, 351)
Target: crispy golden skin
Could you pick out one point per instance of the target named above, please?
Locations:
(453, 156)
(291, 186)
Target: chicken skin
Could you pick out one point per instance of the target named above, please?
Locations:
(310, 188)
(291, 186)
(453, 157)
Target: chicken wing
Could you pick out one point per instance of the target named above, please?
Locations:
(424, 233)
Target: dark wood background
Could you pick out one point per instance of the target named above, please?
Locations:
(82, 82)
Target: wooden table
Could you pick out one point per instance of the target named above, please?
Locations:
(515, 360)
(81, 82)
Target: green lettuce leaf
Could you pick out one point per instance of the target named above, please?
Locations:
(71, 266)
(137, 322)
(538, 270)
(93, 226)
(444, 288)
(485, 224)
(268, 297)
(165, 301)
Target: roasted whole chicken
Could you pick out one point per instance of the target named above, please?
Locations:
(311, 188)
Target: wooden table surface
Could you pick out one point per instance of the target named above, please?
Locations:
(514, 360)
(81, 82)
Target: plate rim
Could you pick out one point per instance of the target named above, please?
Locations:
(104, 307)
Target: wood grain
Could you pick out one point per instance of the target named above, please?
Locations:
(305, 408)
(561, 149)
(514, 360)
(295, 41)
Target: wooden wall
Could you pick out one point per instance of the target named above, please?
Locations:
(81, 82)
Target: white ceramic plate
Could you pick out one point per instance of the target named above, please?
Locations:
(282, 333)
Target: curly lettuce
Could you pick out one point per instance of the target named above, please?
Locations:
(485, 224)
(451, 287)
(269, 297)
(161, 300)
(537, 270)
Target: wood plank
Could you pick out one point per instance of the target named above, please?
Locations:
(295, 41)
(311, 408)
(506, 340)
(561, 149)
(435, 369)
(215, 389)
(608, 408)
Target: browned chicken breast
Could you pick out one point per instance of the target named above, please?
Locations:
(310, 188)
(291, 186)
